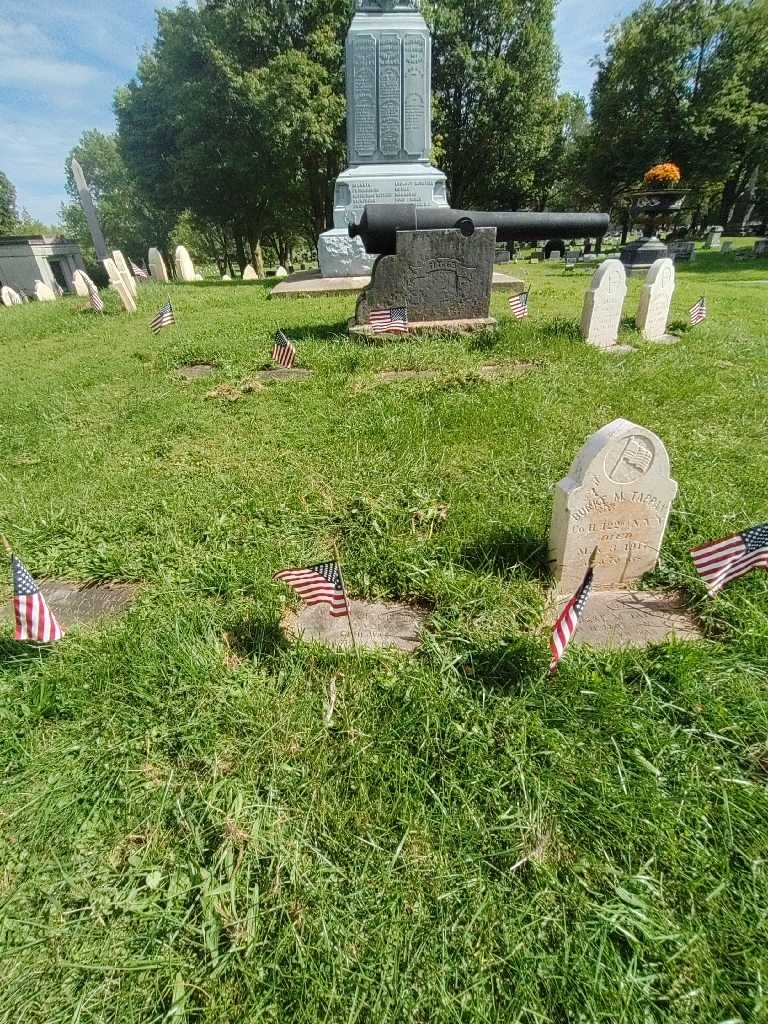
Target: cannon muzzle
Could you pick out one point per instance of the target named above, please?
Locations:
(380, 223)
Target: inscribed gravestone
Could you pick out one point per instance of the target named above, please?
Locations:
(714, 237)
(656, 299)
(43, 293)
(157, 266)
(616, 499)
(185, 268)
(9, 297)
(122, 267)
(119, 285)
(603, 304)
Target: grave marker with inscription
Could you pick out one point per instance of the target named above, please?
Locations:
(603, 304)
(655, 300)
(389, 132)
(616, 499)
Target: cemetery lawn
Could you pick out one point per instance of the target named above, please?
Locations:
(183, 834)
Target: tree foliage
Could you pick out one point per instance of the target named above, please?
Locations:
(9, 216)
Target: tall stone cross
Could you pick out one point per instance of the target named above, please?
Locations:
(89, 210)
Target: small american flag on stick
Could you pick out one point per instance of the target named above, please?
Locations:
(95, 300)
(722, 561)
(163, 318)
(34, 619)
(519, 305)
(389, 321)
(568, 621)
(698, 313)
(139, 272)
(283, 352)
(318, 584)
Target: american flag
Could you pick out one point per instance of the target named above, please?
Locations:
(283, 352)
(318, 584)
(519, 305)
(566, 625)
(721, 561)
(393, 321)
(58, 289)
(94, 298)
(139, 272)
(163, 318)
(698, 313)
(34, 619)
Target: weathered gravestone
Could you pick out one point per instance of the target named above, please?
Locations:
(118, 284)
(615, 500)
(655, 300)
(185, 268)
(43, 293)
(761, 248)
(281, 272)
(249, 274)
(157, 267)
(713, 238)
(9, 297)
(80, 281)
(727, 247)
(123, 270)
(198, 277)
(603, 304)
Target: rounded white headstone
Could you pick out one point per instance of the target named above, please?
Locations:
(603, 305)
(225, 277)
(249, 274)
(281, 272)
(43, 293)
(185, 268)
(9, 297)
(156, 264)
(80, 281)
(656, 299)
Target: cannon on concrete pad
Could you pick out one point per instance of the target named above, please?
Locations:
(438, 262)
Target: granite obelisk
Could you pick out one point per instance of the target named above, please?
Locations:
(389, 126)
(89, 210)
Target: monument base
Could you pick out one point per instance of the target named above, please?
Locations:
(638, 257)
(483, 323)
(312, 282)
(419, 183)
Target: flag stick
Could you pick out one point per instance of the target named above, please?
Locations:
(6, 545)
(346, 599)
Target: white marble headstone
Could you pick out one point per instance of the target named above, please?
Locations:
(655, 300)
(616, 499)
(185, 268)
(116, 281)
(44, 293)
(80, 282)
(249, 274)
(124, 270)
(603, 303)
(281, 272)
(9, 297)
(157, 268)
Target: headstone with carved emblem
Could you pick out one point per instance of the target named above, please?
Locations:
(615, 502)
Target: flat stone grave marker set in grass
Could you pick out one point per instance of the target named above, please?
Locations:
(78, 604)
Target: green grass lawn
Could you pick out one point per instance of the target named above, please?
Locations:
(183, 838)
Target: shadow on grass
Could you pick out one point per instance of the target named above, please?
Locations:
(320, 332)
(512, 550)
(507, 668)
(17, 655)
(256, 638)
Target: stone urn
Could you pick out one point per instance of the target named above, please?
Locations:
(650, 208)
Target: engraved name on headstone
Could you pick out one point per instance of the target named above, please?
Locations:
(364, 119)
(414, 112)
(390, 94)
(616, 499)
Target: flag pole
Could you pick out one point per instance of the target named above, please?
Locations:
(6, 545)
(346, 599)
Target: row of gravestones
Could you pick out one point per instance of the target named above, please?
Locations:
(604, 304)
(185, 268)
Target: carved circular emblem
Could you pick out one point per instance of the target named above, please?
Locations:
(629, 460)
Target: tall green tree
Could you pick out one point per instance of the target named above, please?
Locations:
(9, 216)
(494, 80)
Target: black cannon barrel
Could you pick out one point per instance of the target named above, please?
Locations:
(380, 223)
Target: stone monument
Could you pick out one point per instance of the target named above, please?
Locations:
(43, 293)
(389, 126)
(616, 499)
(655, 300)
(157, 267)
(249, 274)
(603, 303)
(128, 279)
(86, 202)
(185, 268)
(118, 284)
(9, 297)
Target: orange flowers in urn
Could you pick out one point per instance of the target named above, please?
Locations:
(663, 176)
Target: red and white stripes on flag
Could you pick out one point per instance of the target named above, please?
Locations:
(318, 584)
(566, 624)
(519, 305)
(698, 313)
(34, 619)
(389, 321)
(722, 561)
(139, 272)
(94, 298)
(163, 318)
(283, 352)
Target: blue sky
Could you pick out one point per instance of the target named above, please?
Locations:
(61, 60)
